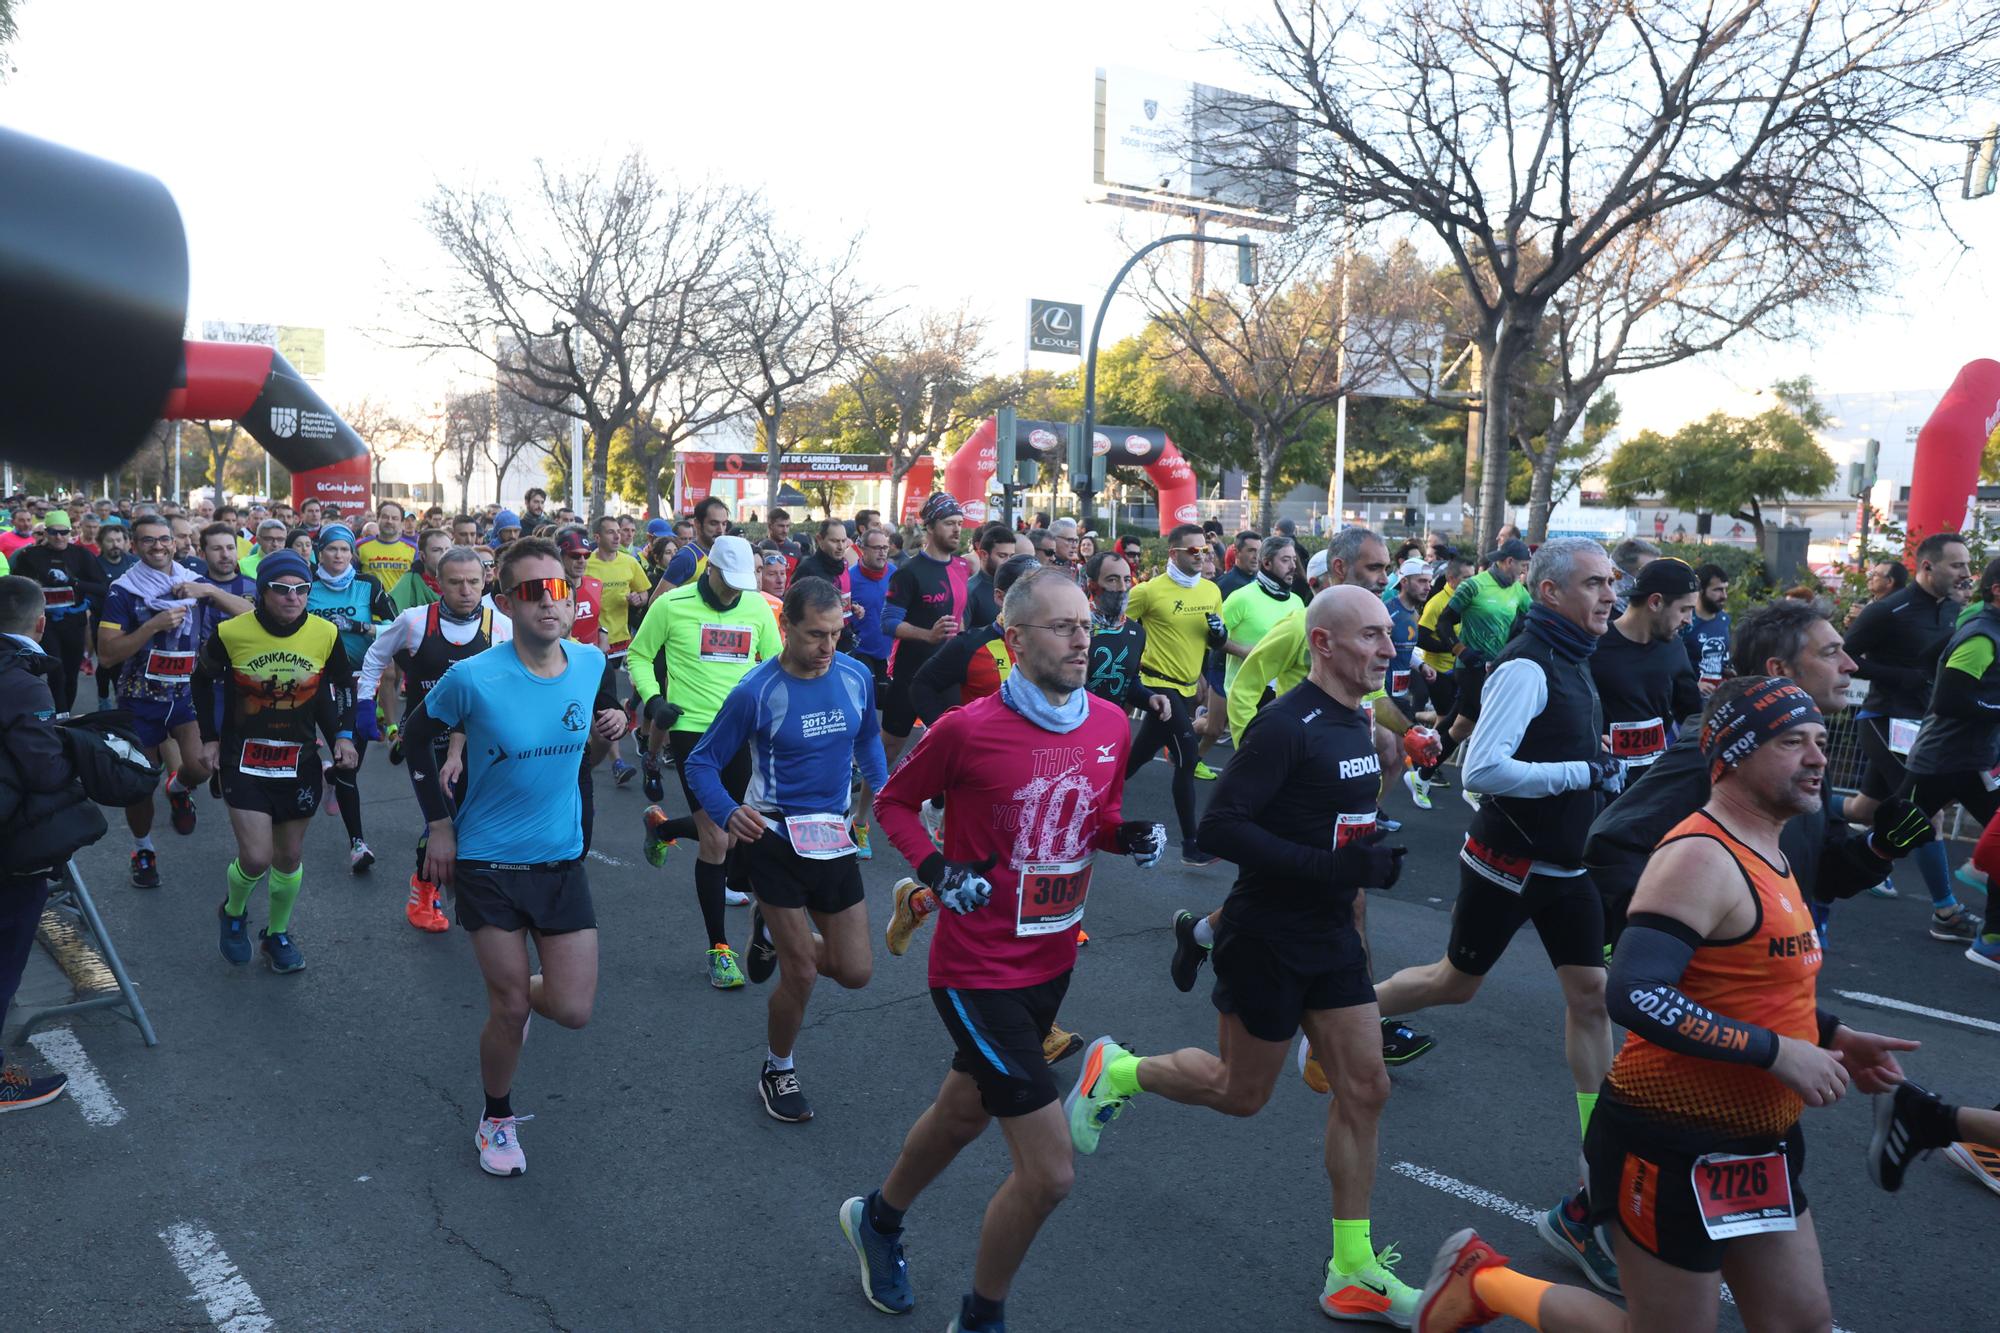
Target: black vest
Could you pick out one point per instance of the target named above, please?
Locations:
(1548, 828)
(1961, 744)
(425, 665)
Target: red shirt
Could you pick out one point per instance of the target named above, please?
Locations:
(589, 610)
(1037, 801)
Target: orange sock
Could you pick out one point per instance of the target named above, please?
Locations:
(1504, 1291)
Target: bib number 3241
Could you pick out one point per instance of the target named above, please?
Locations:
(1051, 897)
(1743, 1196)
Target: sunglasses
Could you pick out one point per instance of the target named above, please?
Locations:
(289, 589)
(534, 590)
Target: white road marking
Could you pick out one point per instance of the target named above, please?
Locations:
(232, 1307)
(596, 855)
(1944, 1015)
(60, 1048)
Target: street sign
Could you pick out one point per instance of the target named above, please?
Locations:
(1055, 326)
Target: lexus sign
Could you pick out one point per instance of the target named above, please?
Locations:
(1054, 326)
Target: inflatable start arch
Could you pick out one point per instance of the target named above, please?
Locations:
(970, 469)
(1946, 471)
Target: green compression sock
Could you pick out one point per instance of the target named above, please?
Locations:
(284, 896)
(241, 886)
(1586, 1103)
(1123, 1075)
(1352, 1247)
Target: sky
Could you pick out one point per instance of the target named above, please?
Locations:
(301, 139)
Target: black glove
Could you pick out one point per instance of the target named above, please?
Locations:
(961, 885)
(1218, 633)
(1366, 863)
(1901, 826)
(661, 713)
(1143, 841)
(1607, 774)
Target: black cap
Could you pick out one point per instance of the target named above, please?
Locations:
(1666, 576)
(1513, 549)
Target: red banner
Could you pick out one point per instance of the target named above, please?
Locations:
(345, 483)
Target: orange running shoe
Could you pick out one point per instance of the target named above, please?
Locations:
(1309, 1068)
(1977, 1161)
(1449, 1301)
(1082, 937)
(424, 910)
(914, 904)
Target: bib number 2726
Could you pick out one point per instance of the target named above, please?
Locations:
(1743, 1196)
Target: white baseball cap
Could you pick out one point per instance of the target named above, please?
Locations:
(1412, 567)
(1316, 567)
(733, 556)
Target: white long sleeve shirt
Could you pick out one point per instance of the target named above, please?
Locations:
(1514, 695)
(406, 631)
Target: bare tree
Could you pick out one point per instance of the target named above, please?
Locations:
(467, 434)
(380, 428)
(1532, 137)
(919, 384)
(214, 442)
(702, 395)
(523, 424)
(588, 294)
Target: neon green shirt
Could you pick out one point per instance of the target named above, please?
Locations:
(1486, 612)
(707, 650)
(1249, 613)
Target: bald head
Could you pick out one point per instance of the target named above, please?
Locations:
(1351, 642)
(1344, 605)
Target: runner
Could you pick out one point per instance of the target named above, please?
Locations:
(1265, 599)
(114, 557)
(72, 586)
(388, 555)
(352, 601)
(1295, 810)
(806, 717)
(262, 682)
(1409, 679)
(151, 632)
(925, 606)
(1181, 614)
(711, 521)
(1538, 758)
(588, 594)
(1706, 635)
(1478, 622)
(513, 852)
(972, 663)
(1641, 671)
(1696, 1146)
(1033, 785)
(419, 587)
(828, 560)
(696, 642)
(623, 580)
(994, 546)
(424, 642)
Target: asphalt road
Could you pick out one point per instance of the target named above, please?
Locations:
(297, 1153)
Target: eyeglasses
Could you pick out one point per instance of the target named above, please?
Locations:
(534, 590)
(289, 589)
(1196, 551)
(153, 541)
(1063, 629)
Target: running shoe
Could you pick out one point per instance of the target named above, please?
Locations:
(1401, 1043)
(653, 782)
(1971, 878)
(180, 804)
(657, 843)
(1387, 824)
(723, 974)
(359, 857)
(1886, 889)
(1091, 1104)
(782, 1099)
(1469, 796)
(621, 772)
(1193, 855)
(1082, 937)
(862, 851)
(1420, 791)
(424, 909)
(394, 736)
(1448, 1301)
(20, 1092)
(933, 814)
(1189, 953)
(235, 936)
(280, 952)
(1977, 1161)
(1896, 1141)
(735, 898)
(1060, 1045)
(885, 1274)
(905, 918)
(1203, 771)
(145, 869)
(1569, 1233)
(1956, 926)
(1985, 951)
(499, 1144)
(1371, 1292)
(762, 958)
(1310, 1069)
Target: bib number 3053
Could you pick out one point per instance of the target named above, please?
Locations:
(1743, 1196)
(1051, 897)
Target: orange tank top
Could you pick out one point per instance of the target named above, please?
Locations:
(1765, 976)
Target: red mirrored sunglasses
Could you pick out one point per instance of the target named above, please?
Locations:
(534, 590)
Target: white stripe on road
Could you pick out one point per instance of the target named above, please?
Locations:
(60, 1048)
(596, 855)
(1944, 1015)
(1457, 1188)
(232, 1307)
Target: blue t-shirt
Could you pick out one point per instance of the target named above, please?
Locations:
(524, 740)
(682, 567)
(875, 632)
(1707, 644)
(804, 737)
(1403, 627)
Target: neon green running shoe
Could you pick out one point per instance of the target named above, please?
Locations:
(1372, 1292)
(1091, 1104)
(723, 974)
(1203, 771)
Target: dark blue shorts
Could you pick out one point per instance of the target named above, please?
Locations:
(155, 719)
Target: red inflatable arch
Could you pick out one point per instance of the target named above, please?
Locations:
(1946, 470)
(971, 468)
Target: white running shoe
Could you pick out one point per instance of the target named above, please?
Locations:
(1420, 791)
(735, 899)
(499, 1144)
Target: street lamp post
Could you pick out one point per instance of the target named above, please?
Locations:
(1246, 273)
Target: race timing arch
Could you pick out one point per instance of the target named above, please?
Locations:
(969, 470)
(254, 386)
(1946, 471)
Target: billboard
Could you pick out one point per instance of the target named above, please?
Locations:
(304, 349)
(1055, 326)
(1168, 137)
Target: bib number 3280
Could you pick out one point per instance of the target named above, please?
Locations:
(1743, 1196)
(1051, 897)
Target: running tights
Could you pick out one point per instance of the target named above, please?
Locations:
(1177, 734)
(347, 788)
(710, 878)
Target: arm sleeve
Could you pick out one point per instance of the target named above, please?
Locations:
(1848, 863)
(1258, 772)
(333, 702)
(892, 613)
(643, 652)
(90, 580)
(921, 773)
(388, 643)
(768, 644)
(733, 724)
(935, 689)
(1514, 696)
(1644, 995)
(211, 670)
(421, 732)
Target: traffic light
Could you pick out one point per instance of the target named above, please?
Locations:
(1246, 261)
(1982, 165)
(1086, 465)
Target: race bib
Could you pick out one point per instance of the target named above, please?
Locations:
(1509, 872)
(819, 837)
(270, 759)
(1903, 734)
(1990, 779)
(169, 668)
(57, 598)
(1051, 896)
(726, 643)
(1399, 682)
(1743, 1196)
(1352, 828)
(1638, 743)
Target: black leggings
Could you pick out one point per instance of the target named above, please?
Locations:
(1934, 791)
(63, 639)
(347, 789)
(1177, 734)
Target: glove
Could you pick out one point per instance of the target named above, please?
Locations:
(1422, 746)
(961, 885)
(661, 713)
(1143, 842)
(1218, 633)
(365, 724)
(1901, 826)
(1366, 863)
(1607, 775)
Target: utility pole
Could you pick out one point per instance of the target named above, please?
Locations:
(1475, 427)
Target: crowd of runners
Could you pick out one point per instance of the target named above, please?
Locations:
(1648, 772)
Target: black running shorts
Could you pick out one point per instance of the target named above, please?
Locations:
(549, 898)
(283, 799)
(999, 1035)
(1650, 1187)
(1882, 767)
(899, 709)
(1264, 986)
(735, 773)
(780, 877)
(1567, 911)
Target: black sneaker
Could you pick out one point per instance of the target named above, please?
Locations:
(180, 809)
(145, 869)
(1193, 855)
(656, 789)
(396, 747)
(782, 1099)
(1400, 1044)
(761, 959)
(1189, 955)
(18, 1091)
(1900, 1137)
